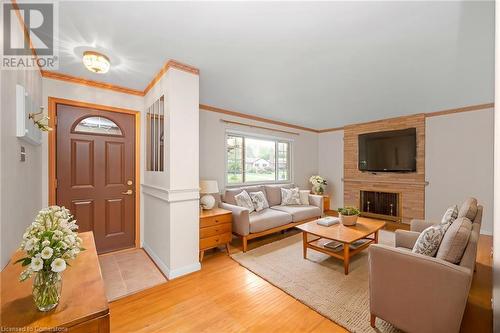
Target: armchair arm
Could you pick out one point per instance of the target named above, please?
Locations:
(419, 225)
(417, 293)
(241, 220)
(316, 200)
(406, 238)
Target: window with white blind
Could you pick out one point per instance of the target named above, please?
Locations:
(254, 159)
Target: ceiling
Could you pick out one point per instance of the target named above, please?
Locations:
(318, 65)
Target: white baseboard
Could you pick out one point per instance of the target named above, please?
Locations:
(175, 273)
(171, 273)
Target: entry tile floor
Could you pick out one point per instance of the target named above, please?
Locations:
(128, 272)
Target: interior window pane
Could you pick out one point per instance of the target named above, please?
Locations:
(155, 136)
(98, 125)
(234, 160)
(283, 163)
(260, 160)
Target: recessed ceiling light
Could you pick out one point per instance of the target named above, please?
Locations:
(96, 62)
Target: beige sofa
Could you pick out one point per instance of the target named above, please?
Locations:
(273, 219)
(418, 293)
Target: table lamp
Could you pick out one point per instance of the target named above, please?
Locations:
(207, 187)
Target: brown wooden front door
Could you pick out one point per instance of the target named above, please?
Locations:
(95, 173)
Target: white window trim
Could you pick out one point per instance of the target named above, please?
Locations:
(259, 136)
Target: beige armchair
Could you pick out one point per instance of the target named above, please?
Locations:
(418, 293)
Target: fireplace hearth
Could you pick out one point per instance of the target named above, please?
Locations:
(385, 205)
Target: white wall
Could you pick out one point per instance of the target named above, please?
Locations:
(496, 213)
(21, 185)
(459, 163)
(212, 145)
(331, 165)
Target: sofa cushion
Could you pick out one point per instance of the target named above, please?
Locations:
(244, 200)
(428, 241)
(450, 215)
(290, 196)
(259, 200)
(455, 240)
(299, 212)
(304, 197)
(231, 192)
(468, 209)
(267, 219)
(273, 193)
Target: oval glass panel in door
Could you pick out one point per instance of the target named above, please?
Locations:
(98, 125)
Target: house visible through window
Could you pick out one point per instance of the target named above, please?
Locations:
(155, 136)
(253, 159)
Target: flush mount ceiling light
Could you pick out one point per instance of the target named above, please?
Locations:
(96, 62)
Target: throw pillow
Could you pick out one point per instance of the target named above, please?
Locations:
(468, 209)
(259, 200)
(429, 240)
(290, 196)
(450, 215)
(455, 240)
(243, 200)
(304, 197)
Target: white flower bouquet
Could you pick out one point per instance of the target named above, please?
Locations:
(318, 184)
(50, 241)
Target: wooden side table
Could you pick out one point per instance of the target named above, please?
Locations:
(215, 229)
(326, 202)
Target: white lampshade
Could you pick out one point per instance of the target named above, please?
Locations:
(209, 186)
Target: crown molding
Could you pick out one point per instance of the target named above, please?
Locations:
(256, 118)
(476, 107)
(462, 109)
(102, 85)
(180, 66)
(170, 64)
(90, 83)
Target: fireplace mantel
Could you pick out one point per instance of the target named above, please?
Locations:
(405, 182)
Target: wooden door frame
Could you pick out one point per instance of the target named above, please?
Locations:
(52, 113)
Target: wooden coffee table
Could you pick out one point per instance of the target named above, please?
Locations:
(365, 229)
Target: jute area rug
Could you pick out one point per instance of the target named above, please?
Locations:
(319, 282)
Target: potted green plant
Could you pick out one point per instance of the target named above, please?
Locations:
(348, 215)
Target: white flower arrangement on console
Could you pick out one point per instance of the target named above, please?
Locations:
(49, 242)
(318, 184)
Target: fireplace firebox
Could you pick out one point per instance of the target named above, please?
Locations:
(385, 205)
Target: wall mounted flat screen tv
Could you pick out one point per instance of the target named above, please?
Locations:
(389, 151)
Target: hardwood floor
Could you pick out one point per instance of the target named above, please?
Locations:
(222, 297)
(225, 297)
(478, 316)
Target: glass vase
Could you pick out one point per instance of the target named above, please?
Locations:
(319, 190)
(47, 287)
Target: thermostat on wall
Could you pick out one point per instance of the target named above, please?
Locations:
(25, 129)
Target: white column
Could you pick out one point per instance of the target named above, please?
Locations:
(170, 198)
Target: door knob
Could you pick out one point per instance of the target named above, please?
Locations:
(129, 192)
